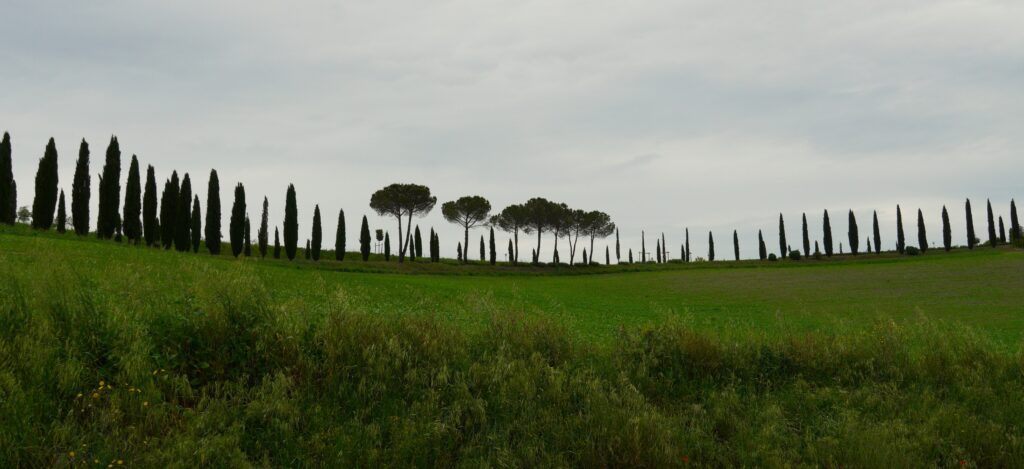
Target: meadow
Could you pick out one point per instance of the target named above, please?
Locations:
(121, 355)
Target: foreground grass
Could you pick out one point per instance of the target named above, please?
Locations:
(119, 357)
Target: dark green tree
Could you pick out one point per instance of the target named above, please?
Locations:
(511, 220)
(387, 247)
(596, 224)
(762, 250)
(248, 238)
(459, 252)
(435, 256)
(45, 202)
(827, 236)
(339, 237)
(182, 232)
(947, 233)
(483, 252)
(364, 240)
(586, 261)
(277, 244)
(213, 216)
(400, 200)
(1015, 232)
(8, 192)
(643, 247)
(877, 233)
(62, 214)
(631, 256)
(306, 251)
(807, 238)
(511, 251)
(711, 247)
(922, 236)
(291, 223)
(263, 235)
(657, 250)
(418, 243)
(467, 212)
(608, 254)
(687, 245)
(1002, 231)
(901, 240)
(168, 210)
(736, 244)
(782, 238)
(540, 214)
(317, 233)
(992, 240)
(132, 223)
(494, 249)
(236, 227)
(81, 191)
(197, 224)
(150, 228)
(972, 240)
(110, 193)
(853, 234)
(618, 249)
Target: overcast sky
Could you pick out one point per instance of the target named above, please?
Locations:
(712, 115)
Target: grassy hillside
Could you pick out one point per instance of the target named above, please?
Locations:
(111, 353)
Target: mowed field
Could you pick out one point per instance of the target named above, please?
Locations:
(116, 355)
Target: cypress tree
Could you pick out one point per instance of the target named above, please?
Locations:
(657, 250)
(339, 237)
(817, 251)
(8, 197)
(459, 252)
(643, 247)
(263, 235)
(736, 244)
(150, 228)
(483, 253)
(110, 193)
(607, 256)
(1014, 222)
(854, 234)
(947, 233)
(631, 255)
(992, 241)
(971, 239)
(197, 224)
(901, 241)
(364, 239)
(434, 245)
(306, 251)
(236, 228)
(494, 249)
(81, 191)
(687, 245)
(511, 251)
(183, 221)
(711, 247)
(248, 238)
(585, 260)
(277, 244)
(877, 233)
(922, 236)
(807, 237)
(62, 216)
(132, 224)
(418, 243)
(868, 241)
(762, 250)
(827, 237)
(45, 202)
(664, 249)
(168, 210)
(387, 247)
(618, 249)
(291, 223)
(213, 216)
(317, 233)
(1002, 231)
(782, 238)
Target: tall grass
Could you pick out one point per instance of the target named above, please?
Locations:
(213, 371)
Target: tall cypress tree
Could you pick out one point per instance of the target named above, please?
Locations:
(664, 249)
(631, 255)
(150, 228)
(434, 255)
(339, 237)
(736, 244)
(277, 244)
(263, 235)
(922, 236)
(110, 192)
(657, 250)
(306, 251)
(854, 234)
(687, 245)
(618, 249)
(248, 238)
(45, 201)
(317, 233)
(183, 220)
(213, 216)
(762, 250)
(1002, 231)
(8, 193)
(607, 255)
(877, 233)
(291, 223)
(494, 249)
(1014, 222)
(197, 224)
(971, 238)
(512, 251)
(901, 241)
(947, 233)
(418, 243)
(364, 240)
(782, 238)
(711, 247)
(807, 238)
(387, 247)
(236, 228)
(827, 237)
(992, 240)
(62, 215)
(132, 224)
(643, 247)
(483, 252)
(81, 191)
(169, 210)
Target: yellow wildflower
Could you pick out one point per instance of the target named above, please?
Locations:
(71, 454)
(120, 462)
(95, 395)
(102, 383)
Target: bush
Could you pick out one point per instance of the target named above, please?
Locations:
(794, 255)
(772, 257)
(913, 251)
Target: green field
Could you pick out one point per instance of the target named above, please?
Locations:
(876, 361)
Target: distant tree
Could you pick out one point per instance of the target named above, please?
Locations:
(687, 245)
(901, 241)
(305, 252)
(711, 247)
(238, 218)
(183, 220)
(168, 210)
(762, 250)
(80, 190)
(263, 234)
(494, 249)
(248, 238)
(483, 253)
(339, 237)
(197, 224)
(1002, 230)
(433, 246)
(459, 252)
(364, 240)
(585, 260)
(618, 249)
(868, 241)
(877, 233)
(807, 237)
(418, 242)
(291, 223)
(213, 216)
(992, 240)
(736, 244)
(947, 233)
(1014, 222)
(8, 192)
(467, 212)
(45, 201)
(150, 227)
(854, 234)
(817, 252)
(782, 238)
(511, 220)
(539, 213)
(922, 236)
(643, 247)
(277, 244)
(317, 233)
(24, 214)
(631, 256)
(598, 224)
(62, 215)
(511, 251)
(972, 240)
(827, 236)
(657, 250)
(110, 194)
(132, 223)
(400, 200)
(607, 255)
(664, 250)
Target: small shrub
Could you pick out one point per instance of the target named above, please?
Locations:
(772, 257)
(794, 255)
(913, 251)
